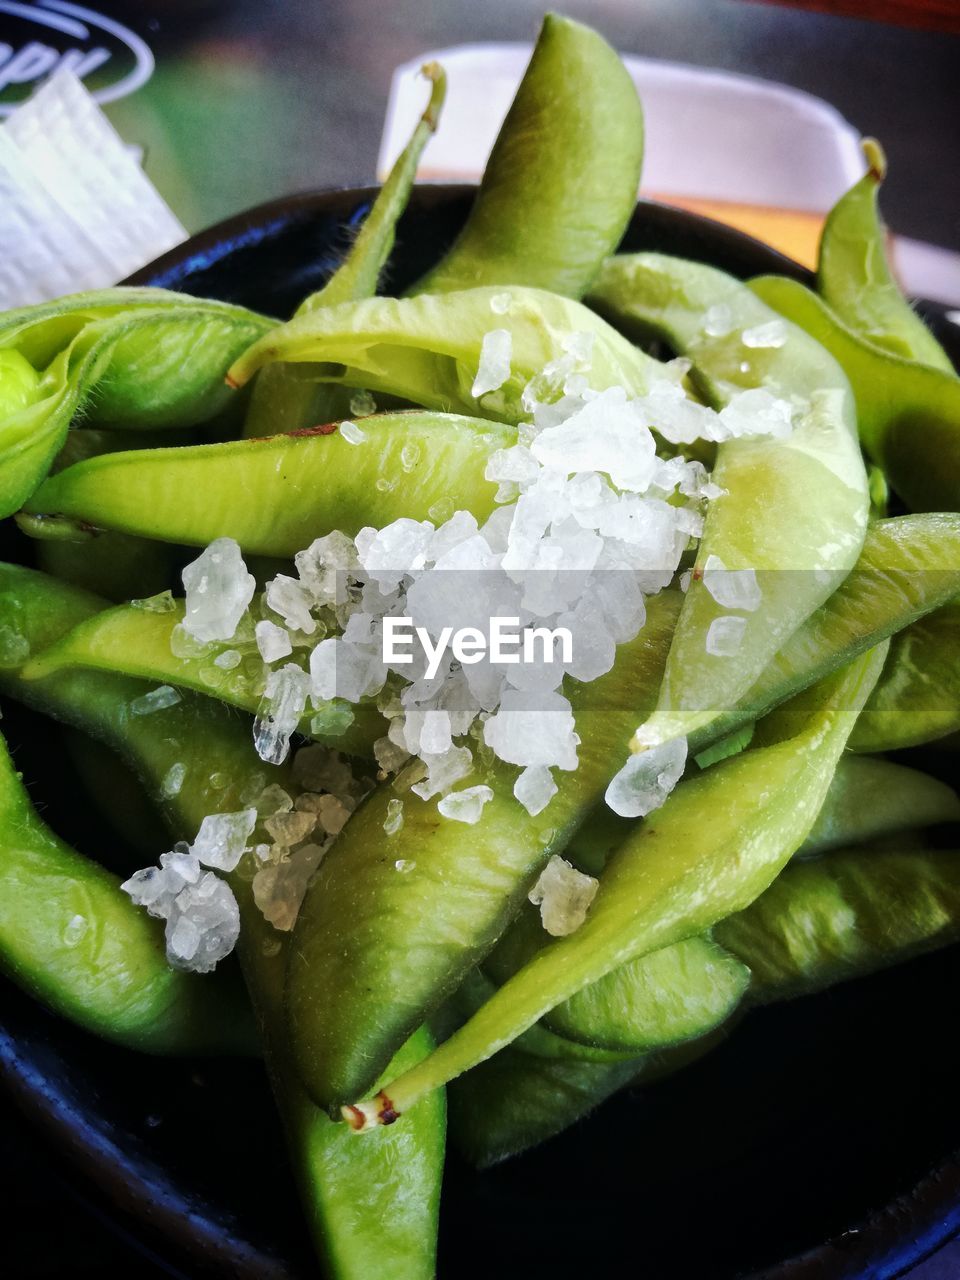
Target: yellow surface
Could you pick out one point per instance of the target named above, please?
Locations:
(794, 233)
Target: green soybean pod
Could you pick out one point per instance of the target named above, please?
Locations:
(137, 640)
(392, 924)
(275, 495)
(353, 1200)
(429, 349)
(854, 276)
(870, 798)
(908, 414)
(843, 916)
(127, 358)
(917, 698)
(561, 182)
(793, 508)
(830, 920)
(672, 995)
(676, 878)
(283, 403)
(71, 938)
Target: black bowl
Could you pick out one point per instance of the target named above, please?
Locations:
(819, 1141)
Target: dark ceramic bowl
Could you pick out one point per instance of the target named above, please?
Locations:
(819, 1141)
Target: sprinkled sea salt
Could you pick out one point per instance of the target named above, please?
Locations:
(278, 715)
(362, 404)
(222, 839)
(772, 333)
(533, 729)
(173, 780)
(394, 819)
(273, 642)
(732, 588)
(725, 636)
(352, 433)
(535, 788)
(718, 320)
(465, 806)
(155, 700)
(647, 779)
(563, 895)
(218, 591)
(494, 368)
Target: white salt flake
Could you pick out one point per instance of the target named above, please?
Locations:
(533, 729)
(771, 333)
(465, 806)
(278, 715)
(500, 303)
(218, 591)
(352, 433)
(362, 404)
(494, 367)
(155, 700)
(444, 771)
(535, 788)
(435, 735)
(292, 601)
(222, 839)
(394, 819)
(725, 636)
(731, 588)
(203, 926)
(273, 641)
(606, 435)
(563, 895)
(718, 320)
(757, 412)
(173, 780)
(647, 779)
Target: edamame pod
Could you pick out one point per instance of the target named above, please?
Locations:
(822, 922)
(909, 566)
(274, 496)
(674, 994)
(917, 698)
(561, 182)
(677, 877)
(854, 276)
(282, 403)
(792, 508)
(72, 939)
(869, 798)
(344, 1190)
(843, 916)
(137, 640)
(429, 349)
(391, 925)
(141, 358)
(908, 413)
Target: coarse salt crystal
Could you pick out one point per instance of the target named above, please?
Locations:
(155, 700)
(218, 591)
(465, 806)
(494, 367)
(772, 333)
(563, 895)
(725, 636)
(352, 433)
(535, 788)
(647, 779)
(732, 588)
(222, 839)
(273, 641)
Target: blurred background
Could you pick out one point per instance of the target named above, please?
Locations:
(234, 102)
(252, 99)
